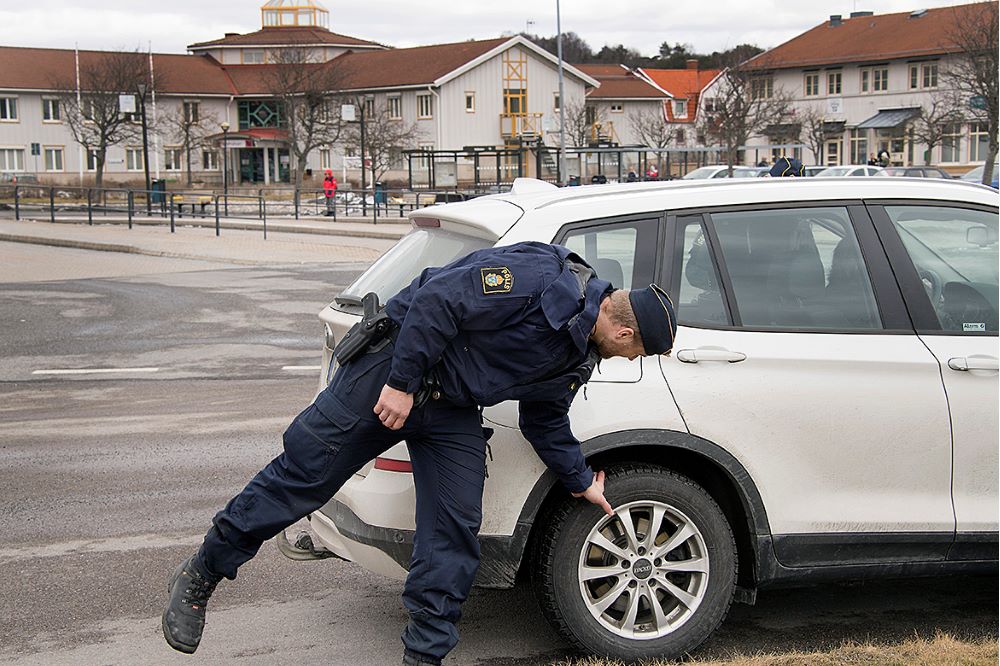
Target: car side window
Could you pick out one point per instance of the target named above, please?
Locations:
(954, 251)
(621, 253)
(699, 298)
(798, 268)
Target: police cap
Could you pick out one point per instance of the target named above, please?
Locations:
(654, 312)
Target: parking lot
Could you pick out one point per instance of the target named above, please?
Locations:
(110, 478)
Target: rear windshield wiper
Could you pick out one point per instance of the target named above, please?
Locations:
(347, 299)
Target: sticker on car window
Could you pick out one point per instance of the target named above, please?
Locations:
(975, 326)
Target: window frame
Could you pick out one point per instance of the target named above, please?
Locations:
(214, 152)
(683, 105)
(48, 105)
(925, 319)
(470, 96)
(430, 106)
(648, 254)
(888, 300)
(810, 84)
(62, 158)
(189, 105)
(11, 102)
(397, 102)
(839, 74)
(139, 165)
(14, 150)
(616, 107)
(179, 164)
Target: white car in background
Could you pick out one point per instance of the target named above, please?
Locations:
(720, 171)
(829, 411)
(849, 170)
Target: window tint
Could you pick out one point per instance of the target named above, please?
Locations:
(622, 254)
(955, 253)
(699, 299)
(797, 268)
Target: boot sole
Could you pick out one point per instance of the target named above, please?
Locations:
(180, 647)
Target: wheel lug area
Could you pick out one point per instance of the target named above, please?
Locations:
(657, 562)
(626, 564)
(642, 551)
(632, 584)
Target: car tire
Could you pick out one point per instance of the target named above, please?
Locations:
(567, 564)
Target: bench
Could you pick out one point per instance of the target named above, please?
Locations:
(193, 200)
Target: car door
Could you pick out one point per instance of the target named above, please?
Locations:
(946, 259)
(796, 356)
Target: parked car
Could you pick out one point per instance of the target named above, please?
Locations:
(720, 171)
(976, 175)
(849, 170)
(19, 178)
(812, 170)
(915, 172)
(829, 410)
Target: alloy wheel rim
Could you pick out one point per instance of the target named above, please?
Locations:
(644, 571)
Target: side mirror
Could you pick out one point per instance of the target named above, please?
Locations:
(981, 236)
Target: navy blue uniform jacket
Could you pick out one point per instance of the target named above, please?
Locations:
(506, 323)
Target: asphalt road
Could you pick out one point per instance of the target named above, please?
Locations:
(108, 480)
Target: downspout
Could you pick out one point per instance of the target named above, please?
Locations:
(437, 115)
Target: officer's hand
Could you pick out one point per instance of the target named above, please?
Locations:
(393, 407)
(595, 493)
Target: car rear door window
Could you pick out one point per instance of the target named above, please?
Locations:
(621, 252)
(796, 268)
(699, 300)
(954, 251)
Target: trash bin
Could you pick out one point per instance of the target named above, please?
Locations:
(379, 192)
(158, 195)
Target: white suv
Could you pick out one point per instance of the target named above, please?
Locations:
(829, 411)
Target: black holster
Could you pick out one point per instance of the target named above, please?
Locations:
(372, 333)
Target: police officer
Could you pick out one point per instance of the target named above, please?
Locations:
(526, 322)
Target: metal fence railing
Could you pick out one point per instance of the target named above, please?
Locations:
(51, 201)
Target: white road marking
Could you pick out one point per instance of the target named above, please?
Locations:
(89, 371)
(301, 367)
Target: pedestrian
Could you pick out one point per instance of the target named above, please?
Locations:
(330, 192)
(883, 158)
(763, 162)
(871, 160)
(526, 322)
(631, 176)
(652, 173)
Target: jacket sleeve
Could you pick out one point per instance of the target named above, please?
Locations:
(546, 426)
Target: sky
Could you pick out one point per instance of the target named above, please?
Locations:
(168, 27)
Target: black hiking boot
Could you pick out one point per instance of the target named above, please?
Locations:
(184, 616)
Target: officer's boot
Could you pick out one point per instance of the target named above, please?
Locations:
(411, 658)
(184, 616)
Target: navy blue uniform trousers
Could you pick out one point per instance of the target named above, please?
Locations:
(329, 442)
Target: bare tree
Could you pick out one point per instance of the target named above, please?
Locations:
(385, 137)
(579, 120)
(934, 121)
(742, 103)
(309, 105)
(188, 125)
(973, 70)
(652, 130)
(93, 116)
(813, 130)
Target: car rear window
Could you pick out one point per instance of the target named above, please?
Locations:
(413, 253)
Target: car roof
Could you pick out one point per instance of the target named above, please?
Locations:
(539, 209)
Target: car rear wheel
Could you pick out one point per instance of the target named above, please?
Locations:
(654, 580)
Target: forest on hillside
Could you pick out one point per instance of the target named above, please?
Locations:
(577, 51)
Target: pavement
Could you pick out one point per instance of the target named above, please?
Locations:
(240, 241)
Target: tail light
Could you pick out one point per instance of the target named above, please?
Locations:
(392, 465)
(426, 222)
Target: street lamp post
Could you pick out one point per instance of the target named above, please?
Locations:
(364, 180)
(225, 166)
(562, 101)
(145, 146)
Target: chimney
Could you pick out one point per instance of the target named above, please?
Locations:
(232, 34)
(692, 63)
(835, 20)
(860, 14)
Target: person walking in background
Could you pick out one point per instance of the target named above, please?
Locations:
(330, 192)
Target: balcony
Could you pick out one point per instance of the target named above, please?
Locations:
(521, 126)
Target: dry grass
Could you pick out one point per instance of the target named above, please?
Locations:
(942, 650)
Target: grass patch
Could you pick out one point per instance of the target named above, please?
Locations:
(942, 650)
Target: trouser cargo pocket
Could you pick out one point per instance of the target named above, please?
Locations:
(315, 437)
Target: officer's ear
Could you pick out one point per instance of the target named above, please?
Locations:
(625, 333)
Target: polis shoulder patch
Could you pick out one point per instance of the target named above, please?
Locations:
(497, 280)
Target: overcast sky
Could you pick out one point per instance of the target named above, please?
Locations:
(170, 26)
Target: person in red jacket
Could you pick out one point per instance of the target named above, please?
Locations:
(330, 191)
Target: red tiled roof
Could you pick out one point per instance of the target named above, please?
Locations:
(414, 66)
(45, 69)
(290, 35)
(870, 39)
(682, 84)
(617, 83)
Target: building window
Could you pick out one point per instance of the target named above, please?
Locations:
(555, 102)
(395, 158)
(470, 102)
(834, 81)
(812, 85)
(762, 87)
(395, 106)
(172, 159)
(929, 74)
(680, 108)
(253, 56)
(8, 109)
(209, 160)
(617, 107)
(370, 106)
(914, 77)
(859, 146)
(866, 76)
(979, 142)
(11, 159)
(324, 159)
(425, 106)
(50, 111)
(53, 159)
(191, 112)
(92, 159)
(256, 113)
(133, 159)
(880, 79)
(951, 143)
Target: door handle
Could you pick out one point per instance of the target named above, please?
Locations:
(964, 363)
(716, 355)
